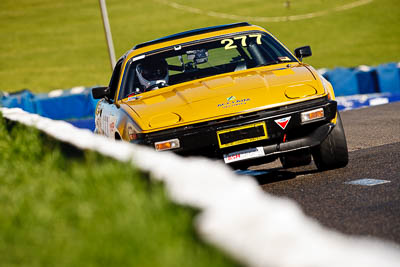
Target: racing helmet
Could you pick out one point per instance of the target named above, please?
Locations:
(152, 73)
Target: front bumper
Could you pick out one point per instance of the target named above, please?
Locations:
(312, 140)
(243, 157)
(201, 139)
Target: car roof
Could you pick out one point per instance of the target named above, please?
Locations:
(191, 33)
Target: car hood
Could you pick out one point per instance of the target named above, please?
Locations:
(222, 95)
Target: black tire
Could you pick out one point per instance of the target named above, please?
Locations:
(332, 153)
(295, 159)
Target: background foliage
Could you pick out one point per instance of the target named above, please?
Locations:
(48, 44)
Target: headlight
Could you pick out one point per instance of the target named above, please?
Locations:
(167, 145)
(312, 115)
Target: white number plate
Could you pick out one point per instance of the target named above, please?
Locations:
(244, 154)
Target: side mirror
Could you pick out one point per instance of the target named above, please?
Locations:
(100, 92)
(304, 51)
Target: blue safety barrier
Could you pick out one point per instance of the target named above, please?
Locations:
(343, 80)
(384, 78)
(64, 107)
(389, 78)
(84, 123)
(22, 99)
(359, 101)
(76, 105)
(367, 80)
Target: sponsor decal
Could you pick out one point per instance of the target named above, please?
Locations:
(283, 122)
(132, 98)
(232, 101)
(108, 124)
(244, 154)
(98, 120)
(284, 59)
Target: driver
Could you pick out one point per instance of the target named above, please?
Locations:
(152, 74)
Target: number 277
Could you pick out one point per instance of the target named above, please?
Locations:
(229, 43)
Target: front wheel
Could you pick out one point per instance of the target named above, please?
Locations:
(332, 153)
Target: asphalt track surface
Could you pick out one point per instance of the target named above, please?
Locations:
(373, 139)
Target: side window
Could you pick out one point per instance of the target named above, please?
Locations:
(130, 84)
(115, 78)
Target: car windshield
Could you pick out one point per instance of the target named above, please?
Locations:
(201, 59)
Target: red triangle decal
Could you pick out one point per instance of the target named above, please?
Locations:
(283, 122)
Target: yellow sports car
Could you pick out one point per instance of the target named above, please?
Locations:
(231, 92)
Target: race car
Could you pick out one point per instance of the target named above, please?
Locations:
(230, 92)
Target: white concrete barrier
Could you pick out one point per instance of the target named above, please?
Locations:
(254, 227)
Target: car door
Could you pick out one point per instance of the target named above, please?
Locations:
(107, 112)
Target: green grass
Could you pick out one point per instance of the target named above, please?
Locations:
(62, 207)
(49, 44)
